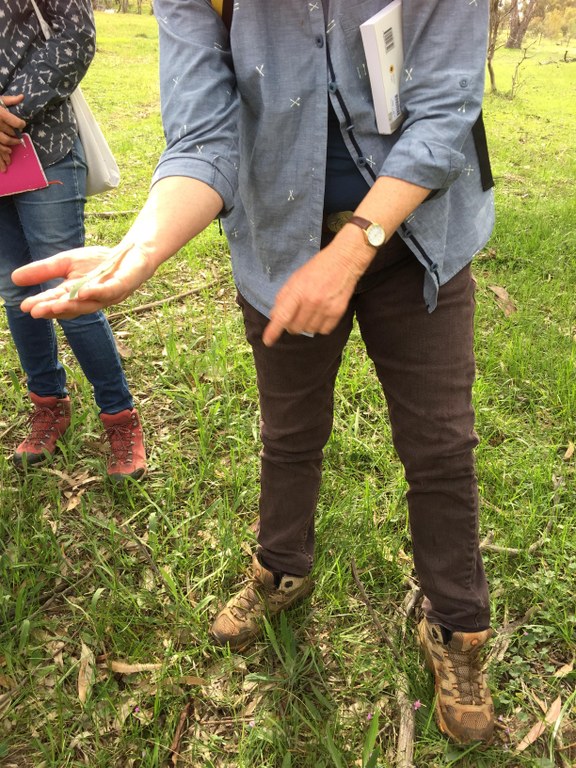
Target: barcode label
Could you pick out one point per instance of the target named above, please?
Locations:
(388, 40)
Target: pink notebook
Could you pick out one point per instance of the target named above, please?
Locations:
(25, 172)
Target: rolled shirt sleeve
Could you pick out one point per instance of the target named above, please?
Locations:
(198, 96)
(441, 91)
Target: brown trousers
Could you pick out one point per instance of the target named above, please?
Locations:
(425, 364)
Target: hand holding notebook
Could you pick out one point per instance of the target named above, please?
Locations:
(11, 127)
(25, 172)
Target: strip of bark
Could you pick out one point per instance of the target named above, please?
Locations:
(109, 214)
(406, 728)
(160, 302)
(175, 746)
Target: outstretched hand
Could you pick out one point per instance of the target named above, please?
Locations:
(93, 278)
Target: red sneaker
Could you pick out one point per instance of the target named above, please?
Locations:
(124, 433)
(48, 422)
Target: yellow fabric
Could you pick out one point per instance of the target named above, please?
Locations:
(217, 5)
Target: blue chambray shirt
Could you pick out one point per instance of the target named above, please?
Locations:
(248, 115)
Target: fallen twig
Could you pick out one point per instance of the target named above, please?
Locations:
(175, 746)
(366, 600)
(504, 636)
(487, 546)
(8, 430)
(109, 214)
(167, 300)
(226, 720)
(60, 591)
(406, 728)
(126, 530)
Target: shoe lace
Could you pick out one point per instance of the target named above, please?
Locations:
(121, 439)
(468, 676)
(41, 421)
(245, 602)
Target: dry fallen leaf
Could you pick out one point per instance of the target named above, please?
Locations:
(7, 682)
(130, 669)
(85, 673)
(74, 500)
(503, 299)
(569, 451)
(565, 670)
(123, 712)
(190, 680)
(538, 728)
(530, 694)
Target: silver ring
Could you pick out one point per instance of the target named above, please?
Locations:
(3, 103)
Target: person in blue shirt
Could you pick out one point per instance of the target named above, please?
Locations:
(270, 125)
(36, 77)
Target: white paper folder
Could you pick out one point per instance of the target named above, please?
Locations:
(382, 40)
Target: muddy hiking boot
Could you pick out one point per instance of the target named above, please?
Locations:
(239, 623)
(464, 708)
(47, 423)
(126, 439)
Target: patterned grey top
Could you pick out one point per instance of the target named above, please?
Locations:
(249, 116)
(46, 71)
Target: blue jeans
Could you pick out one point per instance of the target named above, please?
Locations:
(34, 226)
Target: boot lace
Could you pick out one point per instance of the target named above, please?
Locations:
(41, 421)
(121, 438)
(468, 676)
(245, 602)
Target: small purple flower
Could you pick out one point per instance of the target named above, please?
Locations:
(369, 716)
(417, 704)
(136, 709)
(252, 724)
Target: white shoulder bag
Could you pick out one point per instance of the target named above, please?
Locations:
(103, 171)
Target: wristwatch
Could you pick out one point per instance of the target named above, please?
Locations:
(374, 233)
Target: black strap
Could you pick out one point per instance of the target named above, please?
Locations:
(227, 9)
(479, 136)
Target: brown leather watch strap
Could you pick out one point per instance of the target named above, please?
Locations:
(360, 222)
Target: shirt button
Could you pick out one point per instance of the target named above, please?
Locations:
(332, 87)
(319, 40)
(360, 162)
(464, 82)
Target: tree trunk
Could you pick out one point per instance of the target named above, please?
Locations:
(495, 19)
(519, 22)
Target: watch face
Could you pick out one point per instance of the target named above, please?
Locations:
(375, 234)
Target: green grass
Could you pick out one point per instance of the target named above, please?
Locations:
(136, 574)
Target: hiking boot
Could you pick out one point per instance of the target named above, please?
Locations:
(464, 708)
(128, 454)
(238, 623)
(48, 422)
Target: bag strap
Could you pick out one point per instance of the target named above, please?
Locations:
(479, 136)
(224, 8)
(44, 26)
